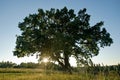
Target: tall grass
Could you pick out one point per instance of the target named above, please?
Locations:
(38, 74)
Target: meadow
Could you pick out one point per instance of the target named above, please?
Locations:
(40, 74)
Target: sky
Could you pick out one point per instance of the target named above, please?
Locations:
(14, 11)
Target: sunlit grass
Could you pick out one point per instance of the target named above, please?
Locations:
(38, 74)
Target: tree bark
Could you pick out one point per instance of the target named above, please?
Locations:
(67, 64)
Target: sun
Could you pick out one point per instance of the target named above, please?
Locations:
(45, 60)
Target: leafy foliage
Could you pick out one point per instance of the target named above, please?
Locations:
(59, 34)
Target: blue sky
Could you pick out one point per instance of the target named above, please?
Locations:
(14, 11)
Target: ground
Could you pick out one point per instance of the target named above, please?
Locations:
(38, 74)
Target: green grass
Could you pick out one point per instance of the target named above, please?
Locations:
(38, 74)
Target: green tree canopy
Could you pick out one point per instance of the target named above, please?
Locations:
(59, 34)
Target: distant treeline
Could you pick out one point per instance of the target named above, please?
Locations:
(95, 69)
(42, 65)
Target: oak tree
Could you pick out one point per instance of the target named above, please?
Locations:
(59, 34)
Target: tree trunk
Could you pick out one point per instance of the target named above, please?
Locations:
(67, 64)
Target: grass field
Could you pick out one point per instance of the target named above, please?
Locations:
(38, 74)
